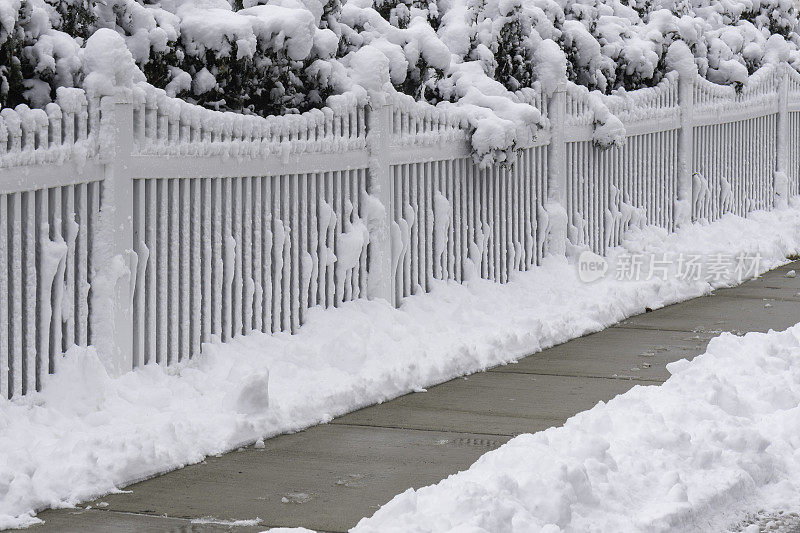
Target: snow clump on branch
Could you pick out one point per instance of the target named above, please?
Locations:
(485, 60)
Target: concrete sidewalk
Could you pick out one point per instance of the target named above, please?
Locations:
(330, 476)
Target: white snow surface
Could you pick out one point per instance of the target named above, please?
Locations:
(88, 434)
(719, 438)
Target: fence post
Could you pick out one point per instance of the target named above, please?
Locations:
(556, 206)
(112, 281)
(379, 131)
(781, 177)
(683, 202)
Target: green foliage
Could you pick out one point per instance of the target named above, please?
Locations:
(12, 65)
(330, 15)
(75, 17)
(776, 16)
(398, 12)
(265, 84)
(157, 68)
(512, 53)
(12, 86)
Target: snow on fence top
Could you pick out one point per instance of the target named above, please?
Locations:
(171, 126)
(62, 131)
(707, 94)
(647, 104)
(163, 125)
(421, 123)
(585, 108)
(761, 89)
(794, 81)
(762, 84)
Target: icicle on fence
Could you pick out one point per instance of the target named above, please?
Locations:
(229, 224)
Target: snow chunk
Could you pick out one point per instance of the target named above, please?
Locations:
(109, 63)
(369, 68)
(252, 395)
(203, 82)
(681, 59)
(718, 437)
(291, 28)
(550, 66)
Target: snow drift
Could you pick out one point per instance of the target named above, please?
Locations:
(88, 433)
(718, 439)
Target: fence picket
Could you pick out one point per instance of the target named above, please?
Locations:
(44, 302)
(152, 272)
(81, 288)
(206, 260)
(196, 271)
(15, 294)
(5, 330)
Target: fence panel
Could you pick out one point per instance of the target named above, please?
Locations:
(242, 223)
(735, 146)
(49, 186)
(733, 164)
(794, 153)
(226, 256)
(793, 141)
(610, 190)
(45, 249)
(453, 219)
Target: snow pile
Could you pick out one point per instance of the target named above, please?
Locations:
(87, 433)
(717, 439)
(108, 64)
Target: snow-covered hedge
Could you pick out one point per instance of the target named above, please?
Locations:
(288, 56)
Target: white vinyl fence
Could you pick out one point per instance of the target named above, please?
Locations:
(147, 226)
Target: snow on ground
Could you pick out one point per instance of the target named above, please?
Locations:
(88, 434)
(764, 522)
(721, 436)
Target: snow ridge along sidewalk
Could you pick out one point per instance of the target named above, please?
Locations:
(88, 434)
(718, 439)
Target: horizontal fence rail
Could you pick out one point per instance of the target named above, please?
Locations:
(147, 226)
